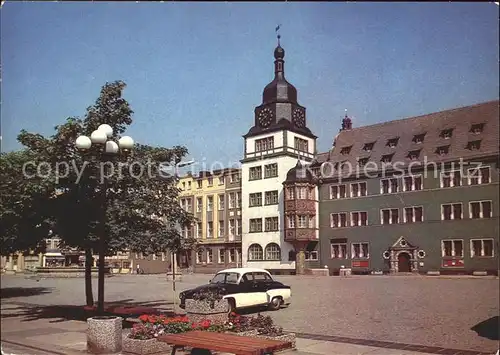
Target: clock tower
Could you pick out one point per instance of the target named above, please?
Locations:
(278, 138)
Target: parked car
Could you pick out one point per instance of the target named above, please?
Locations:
(245, 287)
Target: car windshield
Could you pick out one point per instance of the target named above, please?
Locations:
(225, 278)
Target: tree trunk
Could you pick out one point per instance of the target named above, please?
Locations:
(89, 262)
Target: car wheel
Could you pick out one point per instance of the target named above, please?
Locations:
(275, 304)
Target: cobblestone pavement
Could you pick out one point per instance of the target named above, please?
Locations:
(431, 311)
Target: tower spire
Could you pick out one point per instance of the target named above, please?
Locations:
(278, 34)
(346, 123)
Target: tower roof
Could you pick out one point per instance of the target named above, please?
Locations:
(299, 173)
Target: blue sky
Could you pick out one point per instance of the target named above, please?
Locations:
(195, 71)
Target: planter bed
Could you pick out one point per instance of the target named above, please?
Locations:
(284, 337)
(143, 347)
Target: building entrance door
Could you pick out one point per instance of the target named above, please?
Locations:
(404, 264)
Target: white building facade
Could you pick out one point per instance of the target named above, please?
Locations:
(277, 140)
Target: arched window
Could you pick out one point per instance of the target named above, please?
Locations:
(255, 252)
(273, 252)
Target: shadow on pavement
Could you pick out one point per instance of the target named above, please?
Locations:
(61, 313)
(11, 292)
(489, 328)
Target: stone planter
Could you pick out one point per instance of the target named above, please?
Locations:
(285, 337)
(216, 312)
(104, 335)
(143, 347)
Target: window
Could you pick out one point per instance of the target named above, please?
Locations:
(221, 228)
(271, 224)
(389, 216)
(339, 250)
(358, 189)
(199, 204)
(413, 214)
(210, 181)
(338, 220)
(301, 193)
(255, 225)
(359, 251)
(418, 138)
(261, 276)
(452, 247)
(393, 142)
(362, 161)
(368, 147)
(234, 177)
(451, 211)
(189, 185)
(255, 199)
(290, 221)
(199, 256)
(443, 150)
(412, 183)
(311, 255)
(221, 180)
(238, 227)
(271, 197)
(413, 154)
(338, 191)
(232, 200)
(346, 150)
(301, 144)
(359, 219)
(238, 200)
(264, 144)
(199, 230)
(210, 256)
(232, 255)
(386, 158)
(480, 209)
(199, 183)
(271, 170)
(481, 247)
(221, 202)
(273, 252)
(479, 176)
(210, 229)
(446, 133)
(474, 145)
(290, 193)
(222, 256)
(183, 185)
(210, 203)
(389, 186)
(304, 221)
(232, 227)
(255, 173)
(255, 252)
(477, 128)
(451, 178)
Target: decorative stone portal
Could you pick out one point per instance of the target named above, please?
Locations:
(403, 256)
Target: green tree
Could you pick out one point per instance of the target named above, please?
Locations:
(142, 209)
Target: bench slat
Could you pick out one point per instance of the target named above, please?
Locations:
(240, 345)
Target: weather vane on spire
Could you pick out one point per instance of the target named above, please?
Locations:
(278, 34)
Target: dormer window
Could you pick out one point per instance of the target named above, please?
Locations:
(474, 145)
(345, 150)
(477, 128)
(442, 150)
(387, 158)
(339, 165)
(362, 161)
(413, 154)
(418, 138)
(446, 133)
(368, 147)
(393, 142)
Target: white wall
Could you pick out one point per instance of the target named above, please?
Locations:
(310, 143)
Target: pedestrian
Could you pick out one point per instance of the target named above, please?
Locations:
(138, 269)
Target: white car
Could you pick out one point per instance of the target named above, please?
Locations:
(245, 287)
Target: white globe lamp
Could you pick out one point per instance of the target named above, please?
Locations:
(111, 147)
(106, 128)
(98, 137)
(83, 142)
(126, 143)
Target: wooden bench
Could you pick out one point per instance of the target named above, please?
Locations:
(234, 344)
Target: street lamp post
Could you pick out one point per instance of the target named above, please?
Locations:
(174, 254)
(106, 149)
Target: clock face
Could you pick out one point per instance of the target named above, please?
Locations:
(265, 117)
(299, 117)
